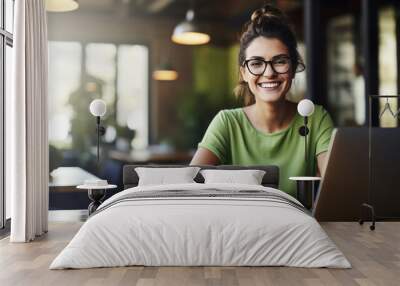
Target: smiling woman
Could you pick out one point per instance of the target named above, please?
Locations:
(265, 130)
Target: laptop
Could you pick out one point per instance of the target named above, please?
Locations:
(345, 185)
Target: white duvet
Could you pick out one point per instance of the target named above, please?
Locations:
(200, 231)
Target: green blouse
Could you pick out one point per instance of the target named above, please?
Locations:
(234, 140)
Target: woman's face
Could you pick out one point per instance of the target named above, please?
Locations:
(269, 86)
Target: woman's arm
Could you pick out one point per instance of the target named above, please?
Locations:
(322, 159)
(204, 156)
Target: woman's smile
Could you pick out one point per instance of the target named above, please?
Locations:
(269, 85)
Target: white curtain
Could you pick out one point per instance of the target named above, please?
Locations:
(26, 127)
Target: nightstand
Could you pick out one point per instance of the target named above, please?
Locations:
(96, 195)
(306, 190)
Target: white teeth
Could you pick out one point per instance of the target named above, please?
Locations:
(269, 84)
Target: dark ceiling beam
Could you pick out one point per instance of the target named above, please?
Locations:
(313, 49)
(370, 51)
(397, 17)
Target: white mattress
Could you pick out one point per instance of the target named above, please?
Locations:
(200, 231)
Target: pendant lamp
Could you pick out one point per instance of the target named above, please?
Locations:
(305, 108)
(188, 32)
(165, 72)
(61, 5)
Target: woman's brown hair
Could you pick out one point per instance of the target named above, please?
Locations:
(269, 22)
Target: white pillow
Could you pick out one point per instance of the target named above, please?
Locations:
(162, 176)
(249, 177)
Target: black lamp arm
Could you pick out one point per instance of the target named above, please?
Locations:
(303, 130)
(100, 129)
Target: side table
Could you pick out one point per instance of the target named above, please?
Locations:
(96, 194)
(306, 190)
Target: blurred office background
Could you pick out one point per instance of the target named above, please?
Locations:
(109, 49)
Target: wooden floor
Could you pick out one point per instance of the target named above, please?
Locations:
(375, 256)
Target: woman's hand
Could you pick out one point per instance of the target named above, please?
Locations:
(204, 156)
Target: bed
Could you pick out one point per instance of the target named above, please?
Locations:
(198, 224)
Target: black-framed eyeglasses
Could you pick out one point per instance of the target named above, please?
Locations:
(257, 66)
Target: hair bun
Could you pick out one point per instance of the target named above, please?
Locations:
(265, 12)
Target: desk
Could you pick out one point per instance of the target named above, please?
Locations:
(69, 177)
(149, 157)
(63, 194)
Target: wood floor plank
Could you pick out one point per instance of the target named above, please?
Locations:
(146, 282)
(212, 272)
(132, 276)
(313, 282)
(375, 257)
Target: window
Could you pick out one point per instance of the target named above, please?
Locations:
(387, 65)
(6, 44)
(64, 78)
(116, 73)
(132, 89)
(345, 86)
(81, 72)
